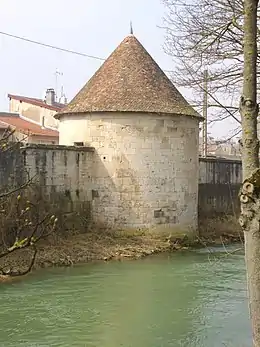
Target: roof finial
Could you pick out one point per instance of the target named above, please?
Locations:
(131, 28)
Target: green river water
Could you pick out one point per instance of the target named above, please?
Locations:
(182, 299)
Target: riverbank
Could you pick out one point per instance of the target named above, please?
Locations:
(75, 248)
(220, 231)
(83, 248)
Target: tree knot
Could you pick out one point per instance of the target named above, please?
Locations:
(248, 103)
(249, 196)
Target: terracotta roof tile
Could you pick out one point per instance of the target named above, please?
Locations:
(3, 125)
(57, 106)
(129, 81)
(25, 126)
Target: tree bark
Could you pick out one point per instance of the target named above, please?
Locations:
(250, 191)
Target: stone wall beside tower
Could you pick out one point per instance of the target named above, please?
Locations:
(145, 170)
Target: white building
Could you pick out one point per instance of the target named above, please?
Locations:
(146, 137)
(38, 110)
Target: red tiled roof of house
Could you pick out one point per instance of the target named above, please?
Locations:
(3, 125)
(25, 126)
(57, 106)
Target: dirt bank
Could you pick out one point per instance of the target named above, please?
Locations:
(82, 248)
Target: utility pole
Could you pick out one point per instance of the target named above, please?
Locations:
(205, 115)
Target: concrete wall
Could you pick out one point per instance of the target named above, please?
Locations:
(36, 113)
(61, 185)
(11, 168)
(61, 174)
(61, 169)
(145, 171)
(219, 183)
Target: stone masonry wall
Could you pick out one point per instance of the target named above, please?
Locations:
(83, 178)
(146, 168)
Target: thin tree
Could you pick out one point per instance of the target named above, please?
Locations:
(250, 191)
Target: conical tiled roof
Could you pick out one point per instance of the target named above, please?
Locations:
(129, 81)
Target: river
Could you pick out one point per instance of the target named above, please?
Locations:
(195, 299)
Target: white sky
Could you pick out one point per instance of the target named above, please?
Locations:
(94, 27)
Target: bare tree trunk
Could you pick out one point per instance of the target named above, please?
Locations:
(250, 191)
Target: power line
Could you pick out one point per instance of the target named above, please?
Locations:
(51, 46)
(57, 48)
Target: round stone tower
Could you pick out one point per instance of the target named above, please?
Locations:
(146, 136)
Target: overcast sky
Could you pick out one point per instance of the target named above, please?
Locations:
(94, 27)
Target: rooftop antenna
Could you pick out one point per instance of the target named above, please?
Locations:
(131, 28)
